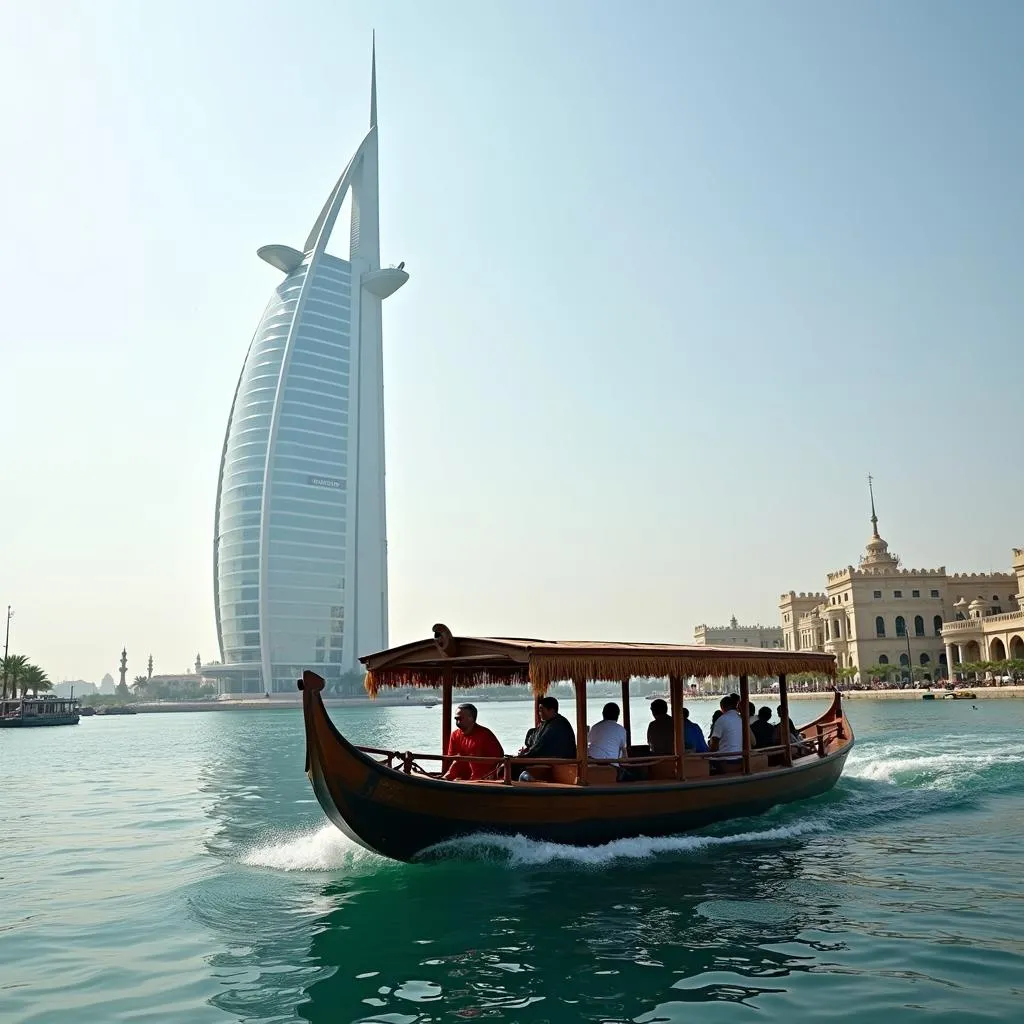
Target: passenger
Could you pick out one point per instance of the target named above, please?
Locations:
(727, 735)
(693, 736)
(660, 733)
(471, 738)
(763, 730)
(554, 736)
(607, 738)
(716, 716)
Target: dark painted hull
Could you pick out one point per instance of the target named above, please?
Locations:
(400, 816)
(32, 723)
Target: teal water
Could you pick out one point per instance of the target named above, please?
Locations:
(176, 868)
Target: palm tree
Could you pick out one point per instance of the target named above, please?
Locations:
(14, 666)
(35, 679)
(139, 684)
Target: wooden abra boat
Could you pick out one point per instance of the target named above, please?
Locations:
(391, 803)
(25, 712)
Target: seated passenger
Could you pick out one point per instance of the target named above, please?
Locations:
(693, 736)
(727, 733)
(607, 739)
(468, 739)
(553, 738)
(661, 732)
(763, 730)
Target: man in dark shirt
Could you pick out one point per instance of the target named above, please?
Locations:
(763, 730)
(661, 737)
(693, 737)
(554, 737)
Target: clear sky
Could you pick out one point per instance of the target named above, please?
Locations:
(682, 275)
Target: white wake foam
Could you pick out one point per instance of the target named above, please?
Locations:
(320, 849)
(950, 766)
(518, 851)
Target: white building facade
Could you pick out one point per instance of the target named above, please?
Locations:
(300, 547)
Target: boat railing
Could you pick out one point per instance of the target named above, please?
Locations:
(817, 736)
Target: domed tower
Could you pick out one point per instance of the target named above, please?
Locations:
(877, 557)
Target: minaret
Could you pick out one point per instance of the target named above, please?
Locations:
(149, 668)
(124, 667)
(199, 665)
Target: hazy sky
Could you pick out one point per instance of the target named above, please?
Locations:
(682, 275)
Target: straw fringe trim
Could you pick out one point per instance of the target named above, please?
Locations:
(546, 669)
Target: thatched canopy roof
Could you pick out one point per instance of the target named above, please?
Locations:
(468, 662)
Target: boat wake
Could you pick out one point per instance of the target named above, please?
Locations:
(518, 851)
(319, 849)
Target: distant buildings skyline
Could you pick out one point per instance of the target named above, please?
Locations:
(300, 548)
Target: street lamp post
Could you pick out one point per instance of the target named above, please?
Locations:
(910, 658)
(7, 638)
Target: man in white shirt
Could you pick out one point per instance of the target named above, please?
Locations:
(727, 733)
(607, 739)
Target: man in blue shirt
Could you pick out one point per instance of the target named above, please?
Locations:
(693, 738)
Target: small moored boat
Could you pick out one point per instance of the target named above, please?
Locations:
(30, 712)
(396, 803)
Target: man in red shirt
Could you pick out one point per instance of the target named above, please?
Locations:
(470, 738)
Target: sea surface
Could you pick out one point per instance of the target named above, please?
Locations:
(175, 867)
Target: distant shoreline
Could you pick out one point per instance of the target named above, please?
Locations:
(294, 703)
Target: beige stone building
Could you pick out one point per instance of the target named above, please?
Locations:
(878, 613)
(735, 635)
(984, 630)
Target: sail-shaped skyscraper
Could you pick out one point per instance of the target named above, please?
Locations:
(300, 549)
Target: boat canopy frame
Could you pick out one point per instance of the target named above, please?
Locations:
(468, 662)
(449, 662)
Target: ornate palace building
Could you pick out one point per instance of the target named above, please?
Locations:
(879, 613)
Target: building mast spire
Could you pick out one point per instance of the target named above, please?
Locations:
(373, 81)
(874, 518)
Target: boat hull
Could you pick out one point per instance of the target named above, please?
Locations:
(400, 815)
(40, 722)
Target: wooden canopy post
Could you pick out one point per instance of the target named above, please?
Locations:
(745, 715)
(627, 725)
(580, 685)
(446, 714)
(675, 692)
(784, 740)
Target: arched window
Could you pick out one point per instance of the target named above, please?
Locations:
(835, 629)
(879, 627)
(937, 623)
(901, 626)
(925, 660)
(904, 661)
(918, 625)
(883, 659)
